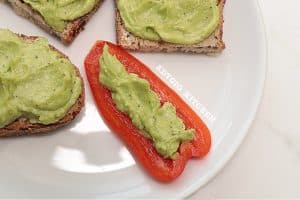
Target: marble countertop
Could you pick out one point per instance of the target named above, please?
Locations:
(267, 165)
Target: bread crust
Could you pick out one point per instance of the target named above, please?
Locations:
(211, 46)
(72, 29)
(22, 126)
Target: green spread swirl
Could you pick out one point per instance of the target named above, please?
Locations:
(35, 82)
(174, 21)
(57, 12)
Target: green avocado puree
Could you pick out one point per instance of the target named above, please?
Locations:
(35, 82)
(174, 21)
(133, 96)
(57, 12)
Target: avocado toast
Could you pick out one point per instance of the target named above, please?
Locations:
(212, 45)
(22, 125)
(72, 27)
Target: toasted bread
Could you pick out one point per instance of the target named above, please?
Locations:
(22, 126)
(72, 29)
(211, 46)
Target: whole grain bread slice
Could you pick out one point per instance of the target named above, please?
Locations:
(22, 126)
(72, 29)
(211, 46)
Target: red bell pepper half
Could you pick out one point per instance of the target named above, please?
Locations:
(142, 148)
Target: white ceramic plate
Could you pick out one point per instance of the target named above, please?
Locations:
(86, 160)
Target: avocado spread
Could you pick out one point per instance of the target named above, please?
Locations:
(57, 12)
(133, 96)
(36, 82)
(174, 21)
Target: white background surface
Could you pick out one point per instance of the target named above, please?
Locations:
(267, 165)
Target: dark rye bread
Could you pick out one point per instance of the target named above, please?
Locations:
(22, 126)
(73, 28)
(211, 46)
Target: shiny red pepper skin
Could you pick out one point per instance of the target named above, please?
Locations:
(142, 148)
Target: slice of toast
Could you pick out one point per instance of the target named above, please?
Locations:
(22, 126)
(212, 45)
(72, 29)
